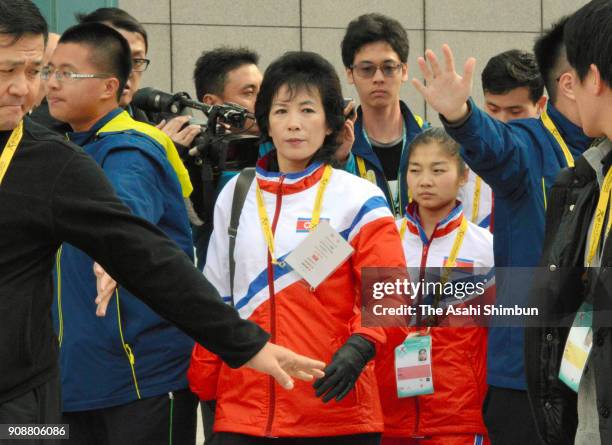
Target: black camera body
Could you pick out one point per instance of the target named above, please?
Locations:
(212, 152)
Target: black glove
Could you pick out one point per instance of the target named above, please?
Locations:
(345, 368)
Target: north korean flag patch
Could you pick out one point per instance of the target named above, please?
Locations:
(303, 224)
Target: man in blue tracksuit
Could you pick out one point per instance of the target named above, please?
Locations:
(123, 375)
(375, 54)
(520, 161)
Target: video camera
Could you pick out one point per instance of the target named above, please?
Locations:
(222, 146)
(216, 145)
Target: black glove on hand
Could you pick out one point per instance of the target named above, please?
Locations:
(345, 368)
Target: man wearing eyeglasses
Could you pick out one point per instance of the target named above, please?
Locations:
(375, 54)
(124, 374)
(136, 36)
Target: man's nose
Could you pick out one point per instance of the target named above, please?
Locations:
(19, 85)
(378, 75)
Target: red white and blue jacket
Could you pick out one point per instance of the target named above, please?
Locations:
(310, 322)
(458, 353)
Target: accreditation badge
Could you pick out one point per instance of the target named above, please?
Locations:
(413, 367)
(577, 347)
(320, 254)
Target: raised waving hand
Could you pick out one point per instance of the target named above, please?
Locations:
(444, 89)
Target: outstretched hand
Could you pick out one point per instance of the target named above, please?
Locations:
(445, 90)
(283, 364)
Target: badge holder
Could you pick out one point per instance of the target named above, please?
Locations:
(413, 366)
(577, 347)
(319, 255)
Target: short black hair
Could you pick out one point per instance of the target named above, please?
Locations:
(110, 51)
(549, 51)
(22, 17)
(371, 28)
(588, 39)
(211, 68)
(510, 70)
(297, 70)
(117, 18)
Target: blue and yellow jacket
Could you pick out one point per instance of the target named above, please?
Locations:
(363, 161)
(520, 161)
(131, 353)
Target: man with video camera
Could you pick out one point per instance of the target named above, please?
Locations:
(223, 75)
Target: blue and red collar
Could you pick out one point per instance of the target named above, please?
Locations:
(291, 182)
(449, 223)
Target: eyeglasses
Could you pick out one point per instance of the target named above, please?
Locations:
(140, 65)
(69, 76)
(368, 70)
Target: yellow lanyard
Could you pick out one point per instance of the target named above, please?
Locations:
(550, 126)
(9, 149)
(266, 228)
(452, 258)
(476, 202)
(600, 214)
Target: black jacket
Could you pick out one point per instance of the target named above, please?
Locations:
(562, 285)
(53, 192)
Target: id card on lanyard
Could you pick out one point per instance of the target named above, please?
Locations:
(9, 149)
(413, 366)
(322, 252)
(577, 348)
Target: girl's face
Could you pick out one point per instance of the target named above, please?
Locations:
(433, 177)
(297, 126)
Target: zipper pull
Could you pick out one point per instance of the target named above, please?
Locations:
(128, 350)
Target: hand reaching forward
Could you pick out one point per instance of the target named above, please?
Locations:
(445, 90)
(282, 364)
(105, 286)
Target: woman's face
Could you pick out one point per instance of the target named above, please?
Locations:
(297, 126)
(433, 177)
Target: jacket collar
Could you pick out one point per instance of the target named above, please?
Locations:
(363, 148)
(84, 137)
(571, 133)
(286, 183)
(449, 223)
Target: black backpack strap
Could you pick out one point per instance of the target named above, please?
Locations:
(243, 184)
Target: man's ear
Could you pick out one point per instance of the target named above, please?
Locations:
(565, 87)
(111, 85)
(404, 72)
(212, 99)
(541, 104)
(349, 76)
(594, 80)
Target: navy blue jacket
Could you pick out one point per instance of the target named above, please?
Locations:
(132, 352)
(363, 149)
(514, 158)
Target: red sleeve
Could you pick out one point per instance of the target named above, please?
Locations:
(203, 373)
(376, 245)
